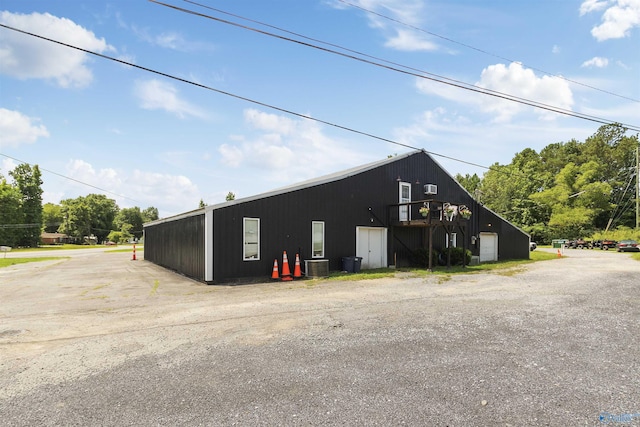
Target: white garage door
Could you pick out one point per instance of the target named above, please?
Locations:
(488, 247)
(371, 245)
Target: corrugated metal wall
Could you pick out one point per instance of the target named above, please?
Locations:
(513, 243)
(285, 219)
(361, 200)
(178, 245)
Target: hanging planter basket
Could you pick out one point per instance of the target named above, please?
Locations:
(465, 212)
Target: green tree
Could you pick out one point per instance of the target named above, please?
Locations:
(115, 236)
(76, 221)
(230, 196)
(51, 217)
(615, 152)
(129, 220)
(29, 183)
(150, 214)
(534, 190)
(103, 211)
(576, 199)
(10, 214)
(471, 183)
(202, 204)
(87, 216)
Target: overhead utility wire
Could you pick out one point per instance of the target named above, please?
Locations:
(60, 175)
(483, 51)
(440, 79)
(513, 97)
(263, 104)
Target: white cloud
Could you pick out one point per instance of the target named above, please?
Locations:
(477, 141)
(172, 194)
(285, 150)
(513, 80)
(398, 36)
(620, 16)
(16, 129)
(159, 95)
(597, 62)
(521, 82)
(410, 41)
(592, 6)
(27, 57)
(84, 172)
(169, 193)
(555, 49)
(170, 40)
(6, 166)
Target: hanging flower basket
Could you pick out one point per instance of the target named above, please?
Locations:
(424, 211)
(466, 213)
(449, 213)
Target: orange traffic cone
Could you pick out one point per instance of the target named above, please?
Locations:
(274, 274)
(286, 273)
(296, 271)
(134, 253)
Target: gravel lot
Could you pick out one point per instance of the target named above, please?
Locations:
(99, 339)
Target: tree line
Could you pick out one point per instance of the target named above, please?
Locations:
(568, 190)
(23, 217)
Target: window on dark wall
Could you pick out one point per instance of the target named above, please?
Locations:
(404, 196)
(454, 240)
(251, 239)
(317, 239)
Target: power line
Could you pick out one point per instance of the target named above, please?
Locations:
(263, 104)
(436, 78)
(500, 169)
(481, 50)
(67, 177)
(423, 72)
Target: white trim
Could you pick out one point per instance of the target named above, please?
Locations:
(244, 242)
(404, 212)
(208, 246)
(313, 223)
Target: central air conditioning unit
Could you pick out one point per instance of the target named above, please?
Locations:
(317, 267)
(430, 189)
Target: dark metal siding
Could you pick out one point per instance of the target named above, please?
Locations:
(285, 219)
(513, 243)
(361, 200)
(178, 245)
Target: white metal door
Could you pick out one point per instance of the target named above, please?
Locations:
(488, 247)
(404, 197)
(371, 245)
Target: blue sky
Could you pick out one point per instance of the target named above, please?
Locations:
(150, 140)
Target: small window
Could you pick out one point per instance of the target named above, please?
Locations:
(251, 239)
(317, 239)
(454, 240)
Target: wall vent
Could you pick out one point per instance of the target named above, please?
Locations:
(430, 189)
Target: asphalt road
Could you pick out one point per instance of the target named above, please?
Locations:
(99, 339)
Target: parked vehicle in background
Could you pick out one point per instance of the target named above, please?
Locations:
(533, 246)
(627, 246)
(579, 244)
(605, 244)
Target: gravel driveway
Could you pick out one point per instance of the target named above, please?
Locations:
(99, 339)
